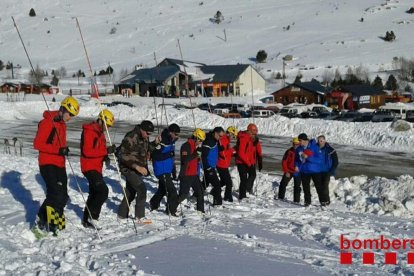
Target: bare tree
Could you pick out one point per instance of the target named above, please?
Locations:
(327, 77)
(37, 75)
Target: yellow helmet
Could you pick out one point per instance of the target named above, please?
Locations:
(295, 140)
(199, 134)
(107, 117)
(232, 130)
(71, 105)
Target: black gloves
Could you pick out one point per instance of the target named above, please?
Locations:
(107, 161)
(64, 151)
(111, 149)
(260, 163)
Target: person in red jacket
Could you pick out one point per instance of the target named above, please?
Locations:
(50, 141)
(190, 155)
(249, 152)
(93, 153)
(226, 153)
(289, 169)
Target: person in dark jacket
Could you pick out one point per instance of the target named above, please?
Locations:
(190, 154)
(209, 158)
(249, 152)
(226, 152)
(50, 141)
(134, 152)
(93, 154)
(328, 168)
(289, 170)
(163, 163)
(308, 162)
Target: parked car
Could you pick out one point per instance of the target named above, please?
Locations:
(348, 116)
(289, 112)
(364, 117)
(308, 114)
(383, 116)
(206, 107)
(114, 103)
(262, 113)
(246, 114)
(409, 116)
(220, 111)
(321, 109)
(328, 116)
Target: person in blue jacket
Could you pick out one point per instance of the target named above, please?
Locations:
(209, 158)
(308, 161)
(329, 164)
(164, 168)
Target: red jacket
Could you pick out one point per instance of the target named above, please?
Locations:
(50, 137)
(288, 161)
(225, 153)
(245, 149)
(93, 147)
(190, 165)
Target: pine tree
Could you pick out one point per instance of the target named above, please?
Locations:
(261, 56)
(55, 81)
(1, 65)
(378, 83)
(32, 12)
(391, 83)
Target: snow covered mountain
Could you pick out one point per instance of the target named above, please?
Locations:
(320, 34)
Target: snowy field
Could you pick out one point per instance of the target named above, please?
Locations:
(258, 236)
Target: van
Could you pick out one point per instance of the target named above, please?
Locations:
(220, 111)
(262, 113)
(383, 116)
(289, 112)
(409, 116)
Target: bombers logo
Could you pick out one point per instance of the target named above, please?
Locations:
(386, 246)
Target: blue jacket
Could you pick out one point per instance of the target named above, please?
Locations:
(329, 159)
(210, 152)
(312, 164)
(163, 155)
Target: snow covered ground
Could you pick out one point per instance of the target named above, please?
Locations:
(321, 35)
(258, 236)
(364, 134)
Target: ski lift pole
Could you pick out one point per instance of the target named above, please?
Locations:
(53, 123)
(106, 127)
(194, 122)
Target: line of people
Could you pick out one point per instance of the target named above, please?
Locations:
(211, 152)
(308, 160)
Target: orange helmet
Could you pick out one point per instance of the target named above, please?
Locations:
(252, 128)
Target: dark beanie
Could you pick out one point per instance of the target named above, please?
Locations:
(147, 126)
(303, 136)
(174, 128)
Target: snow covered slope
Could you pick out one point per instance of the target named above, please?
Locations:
(321, 33)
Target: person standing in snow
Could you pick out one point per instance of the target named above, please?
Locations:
(289, 170)
(328, 168)
(190, 154)
(50, 141)
(164, 167)
(93, 154)
(209, 158)
(249, 152)
(134, 151)
(226, 153)
(308, 162)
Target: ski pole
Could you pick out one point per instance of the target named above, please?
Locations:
(106, 127)
(53, 123)
(194, 122)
